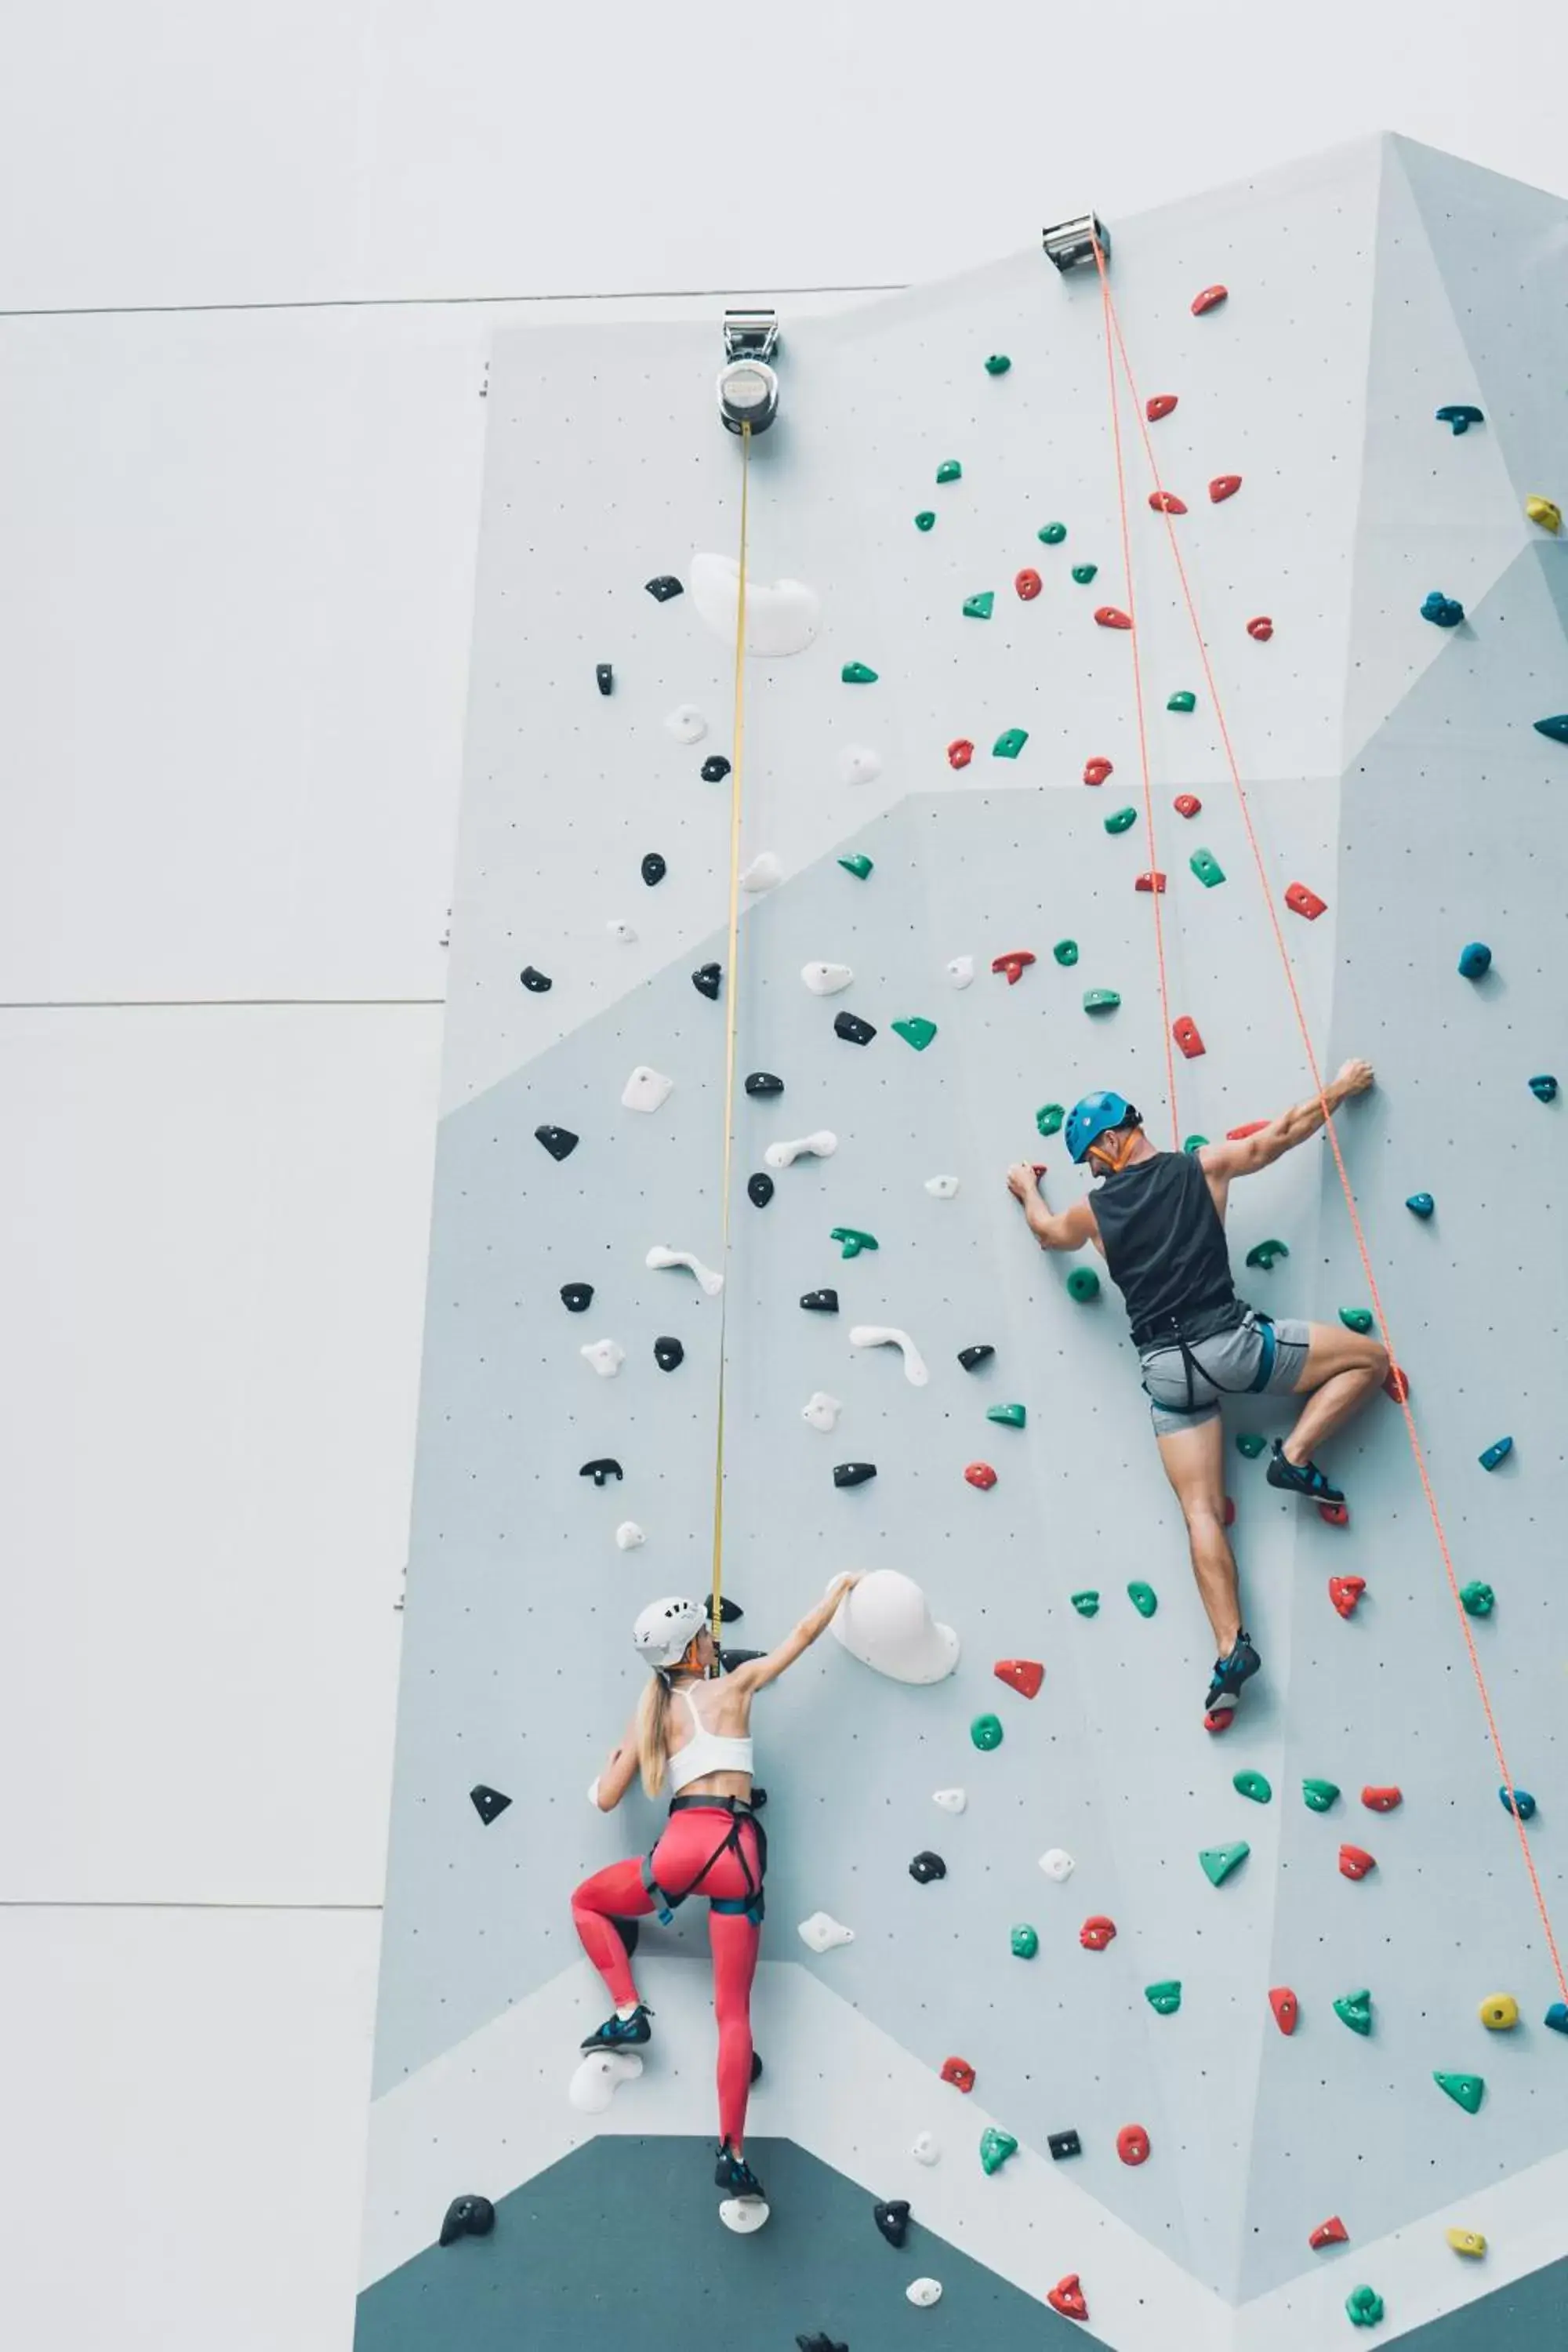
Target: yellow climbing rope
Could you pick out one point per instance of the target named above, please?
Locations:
(732, 999)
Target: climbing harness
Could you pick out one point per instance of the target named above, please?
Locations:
(750, 1905)
(1172, 1333)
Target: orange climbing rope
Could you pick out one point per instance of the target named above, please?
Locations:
(1357, 1228)
(732, 998)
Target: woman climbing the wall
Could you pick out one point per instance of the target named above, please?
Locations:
(692, 1727)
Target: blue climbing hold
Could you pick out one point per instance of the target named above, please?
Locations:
(1443, 612)
(1556, 727)
(1519, 1803)
(1496, 1454)
(1420, 1204)
(1557, 2017)
(1460, 415)
(1475, 960)
(1544, 1089)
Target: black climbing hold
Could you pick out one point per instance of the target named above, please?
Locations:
(654, 868)
(627, 1930)
(559, 1141)
(662, 589)
(488, 1803)
(577, 1297)
(972, 1358)
(605, 1467)
(715, 768)
(762, 1082)
(759, 1796)
(731, 1659)
(1062, 2144)
(892, 2219)
(730, 1614)
(856, 1032)
(819, 2343)
(705, 980)
(467, 2217)
(538, 982)
(821, 1302)
(853, 1473)
(760, 1189)
(668, 1353)
(605, 676)
(756, 2065)
(927, 1866)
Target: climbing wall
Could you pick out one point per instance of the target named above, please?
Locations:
(974, 905)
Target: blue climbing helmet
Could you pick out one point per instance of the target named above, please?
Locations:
(1094, 1116)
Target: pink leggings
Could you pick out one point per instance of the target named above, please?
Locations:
(617, 1893)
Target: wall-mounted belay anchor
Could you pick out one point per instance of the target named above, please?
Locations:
(748, 388)
(1072, 242)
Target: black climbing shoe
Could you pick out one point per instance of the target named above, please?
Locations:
(1230, 1673)
(735, 2176)
(1300, 1478)
(621, 2032)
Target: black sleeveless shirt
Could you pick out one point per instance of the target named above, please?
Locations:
(1165, 1248)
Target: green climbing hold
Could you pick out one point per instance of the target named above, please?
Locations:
(1009, 744)
(853, 1241)
(986, 1731)
(1185, 700)
(1083, 1284)
(949, 471)
(1356, 1319)
(1050, 1117)
(995, 2148)
(1319, 1795)
(1011, 1417)
(856, 673)
(925, 519)
(1207, 867)
(1026, 1943)
(1253, 1785)
(1195, 1143)
(860, 865)
(1084, 572)
(1053, 533)
(1250, 1443)
(1478, 1598)
(1087, 1604)
(1355, 2010)
(1101, 999)
(998, 363)
(1219, 1861)
(1466, 2091)
(1164, 1998)
(1144, 1598)
(1364, 2306)
(1119, 819)
(1066, 951)
(1264, 1253)
(916, 1031)
(978, 608)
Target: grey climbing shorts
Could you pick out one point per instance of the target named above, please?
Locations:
(1232, 1360)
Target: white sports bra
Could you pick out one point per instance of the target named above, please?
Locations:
(706, 1751)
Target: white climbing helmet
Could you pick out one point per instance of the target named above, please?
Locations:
(667, 1629)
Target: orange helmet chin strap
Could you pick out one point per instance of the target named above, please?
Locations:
(1114, 1162)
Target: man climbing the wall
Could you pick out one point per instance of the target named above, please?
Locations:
(1158, 1220)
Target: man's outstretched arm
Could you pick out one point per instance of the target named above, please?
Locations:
(1251, 1153)
(1063, 1229)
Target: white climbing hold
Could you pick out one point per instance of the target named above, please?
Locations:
(743, 2214)
(858, 765)
(825, 979)
(942, 1188)
(782, 615)
(686, 723)
(629, 1535)
(883, 1335)
(658, 1257)
(607, 1356)
(625, 932)
(952, 1801)
(887, 1624)
(820, 1410)
(961, 970)
(1057, 1863)
(646, 1089)
(763, 873)
(927, 2149)
(600, 2076)
(924, 2292)
(821, 1146)
(824, 1933)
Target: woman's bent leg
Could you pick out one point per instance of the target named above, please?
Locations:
(615, 1893)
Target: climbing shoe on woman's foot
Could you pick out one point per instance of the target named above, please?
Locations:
(1300, 1478)
(1230, 1672)
(621, 2032)
(735, 2176)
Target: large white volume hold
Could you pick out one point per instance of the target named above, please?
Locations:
(942, 1188)
(1057, 1863)
(782, 615)
(825, 979)
(743, 2214)
(858, 765)
(686, 723)
(887, 1625)
(659, 1258)
(961, 970)
(600, 2076)
(924, 2292)
(763, 873)
(952, 1801)
(646, 1089)
(607, 1356)
(629, 1535)
(883, 1335)
(824, 1933)
(820, 1146)
(821, 1411)
(927, 2149)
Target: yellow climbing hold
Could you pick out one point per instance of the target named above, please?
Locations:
(1550, 516)
(1499, 2012)
(1465, 2241)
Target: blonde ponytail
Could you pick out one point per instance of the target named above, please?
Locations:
(652, 1716)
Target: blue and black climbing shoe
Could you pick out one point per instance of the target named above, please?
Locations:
(621, 2032)
(734, 2175)
(1230, 1672)
(1300, 1478)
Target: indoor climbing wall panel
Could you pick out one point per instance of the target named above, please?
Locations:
(1393, 772)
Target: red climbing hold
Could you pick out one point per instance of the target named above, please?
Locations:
(1355, 1861)
(1153, 882)
(1110, 617)
(1095, 772)
(1186, 803)
(1239, 1134)
(1221, 1722)
(1096, 1933)
(1334, 1514)
(981, 1473)
(1303, 901)
(959, 2072)
(1066, 2296)
(1028, 583)
(1024, 1674)
(1285, 2008)
(1261, 627)
(1185, 1034)
(1160, 405)
(1229, 1511)
(1344, 1591)
(1015, 965)
(1396, 1384)
(1381, 1801)
(1132, 2143)
(1223, 487)
(960, 752)
(1332, 2232)
(1166, 502)
(1209, 299)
